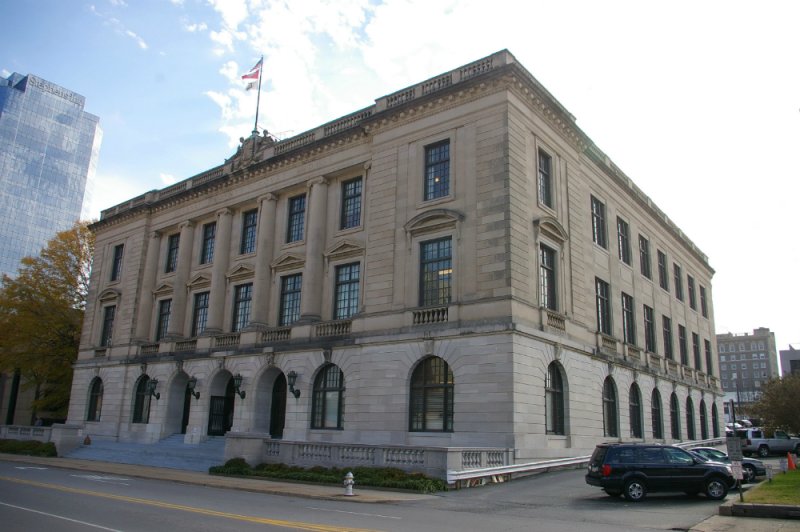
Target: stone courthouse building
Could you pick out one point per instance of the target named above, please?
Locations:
(454, 277)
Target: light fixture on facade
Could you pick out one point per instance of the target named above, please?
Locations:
(292, 379)
(190, 386)
(237, 384)
(151, 388)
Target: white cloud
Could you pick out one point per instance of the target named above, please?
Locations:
(195, 27)
(110, 190)
(119, 27)
(168, 179)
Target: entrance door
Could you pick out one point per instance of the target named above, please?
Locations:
(277, 414)
(220, 416)
(187, 403)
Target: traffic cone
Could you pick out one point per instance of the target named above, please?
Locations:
(790, 462)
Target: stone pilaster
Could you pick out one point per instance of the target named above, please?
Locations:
(222, 250)
(264, 251)
(311, 299)
(145, 311)
(178, 308)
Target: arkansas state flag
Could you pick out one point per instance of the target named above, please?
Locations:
(254, 75)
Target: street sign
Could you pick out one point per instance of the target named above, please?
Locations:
(736, 468)
(734, 445)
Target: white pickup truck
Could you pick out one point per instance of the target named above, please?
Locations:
(755, 440)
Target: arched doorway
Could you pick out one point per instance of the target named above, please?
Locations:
(277, 413)
(220, 414)
(187, 407)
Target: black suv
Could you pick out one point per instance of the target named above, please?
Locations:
(633, 469)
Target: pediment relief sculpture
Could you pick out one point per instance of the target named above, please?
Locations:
(199, 281)
(239, 272)
(163, 289)
(288, 261)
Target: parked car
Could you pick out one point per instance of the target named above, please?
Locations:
(755, 440)
(751, 468)
(634, 469)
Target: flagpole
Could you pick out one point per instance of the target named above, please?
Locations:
(258, 96)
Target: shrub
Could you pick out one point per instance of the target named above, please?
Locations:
(28, 447)
(234, 466)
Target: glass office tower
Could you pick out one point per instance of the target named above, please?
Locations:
(48, 152)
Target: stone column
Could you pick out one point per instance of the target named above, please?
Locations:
(145, 310)
(264, 251)
(316, 214)
(178, 308)
(222, 250)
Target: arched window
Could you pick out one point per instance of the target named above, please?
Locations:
(554, 400)
(714, 421)
(95, 400)
(327, 409)
(657, 415)
(635, 410)
(610, 408)
(141, 403)
(690, 433)
(674, 417)
(431, 400)
(703, 421)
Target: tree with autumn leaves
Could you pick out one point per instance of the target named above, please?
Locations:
(779, 404)
(41, 314)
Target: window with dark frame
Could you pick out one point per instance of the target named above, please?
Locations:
(346, 291)
(116, 265)
(431, 397)
(437, 170)
(656, 415)
(200, 313)
(703, 421)
(327, 404)
(692, 295)
(678, 281)
(709, 355)
(242, 299)
(351, 204)
(209, 236)
(628, 321)
(683, 348)
(545, 179)
(698, 361)
(703, 303)
(644, 257)
(663, 277)
(666, 328)
(291, 286)
(690, 429)
(554, 400)
(610, 427)
(108, 325)
(436, 272)
(95, 400)
(164, 310)
(249, 227)
(623, 241)
(172, 253)
(635, 411)
(675, 417)
(547, 278)
(295, 228)
(141, 403)
(603, 303)
(649, 329)
(599, 233)
(714, 421)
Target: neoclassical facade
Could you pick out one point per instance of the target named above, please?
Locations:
(453, 277)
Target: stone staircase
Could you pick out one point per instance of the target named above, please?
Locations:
(170, 452)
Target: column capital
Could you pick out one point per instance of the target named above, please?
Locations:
(269, 196)
(321, 180)
(155, 235)
(224, 211)
(188, 224)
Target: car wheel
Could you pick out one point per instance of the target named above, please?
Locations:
(613, 493)
(749, 473)
(635, 490)
(716, 488)
(763, 451)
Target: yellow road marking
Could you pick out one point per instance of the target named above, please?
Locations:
(298, 525)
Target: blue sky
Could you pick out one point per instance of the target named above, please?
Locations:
(698, 102)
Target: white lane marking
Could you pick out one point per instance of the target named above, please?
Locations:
(60, 517)
(352, 513)
(102, 479)
(40, 468)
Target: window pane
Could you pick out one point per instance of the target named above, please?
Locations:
(437, 170)
(435, 272)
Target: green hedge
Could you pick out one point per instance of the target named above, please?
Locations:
(384, 477)
(28, 447)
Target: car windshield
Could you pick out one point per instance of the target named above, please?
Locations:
(699, 456)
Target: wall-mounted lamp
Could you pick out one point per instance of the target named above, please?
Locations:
(237, 385)
(292, 379)
(151, 388)
(191, 386)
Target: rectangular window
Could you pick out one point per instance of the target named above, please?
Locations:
(436, 272)
(347, 288)
(164, 309)
(692, 295)
(649, 330)
(290, 299)
(623, 240)
(628, 322)
(666, 327)
(209, 235)
(663, 278)
(545, 179)
(295, 228)
(351, 204)
(172, 253)
(108, 325)
(200, 313)
(682, 347)
(698, 361)
(602, 292)
(437, 170)
(547, 278)
(116, 266)
(242, 299)
(703, 303)
(249, 223)
(599, 234)
(678, 281)
(644, 257)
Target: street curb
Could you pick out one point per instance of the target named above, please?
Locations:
(774, 511)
